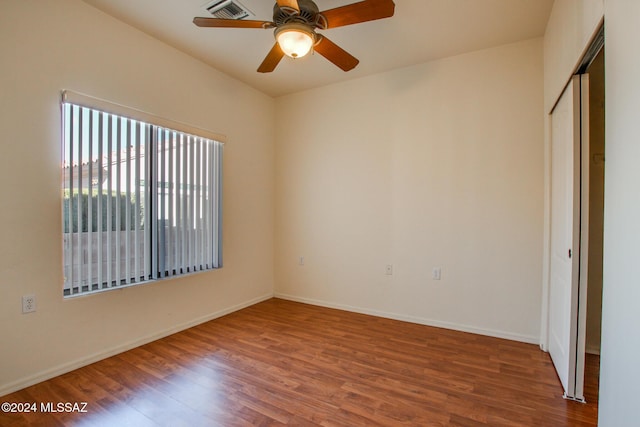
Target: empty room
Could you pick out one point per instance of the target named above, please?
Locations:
(328, 212)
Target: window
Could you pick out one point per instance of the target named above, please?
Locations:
(142, 197)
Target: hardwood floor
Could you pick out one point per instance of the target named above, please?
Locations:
(285, 363)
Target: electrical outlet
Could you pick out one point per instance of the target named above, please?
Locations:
(28, 303)
(436, 274)
(389, 270)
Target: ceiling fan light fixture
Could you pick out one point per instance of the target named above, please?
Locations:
(295, 39)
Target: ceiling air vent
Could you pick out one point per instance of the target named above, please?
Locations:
(227, 9)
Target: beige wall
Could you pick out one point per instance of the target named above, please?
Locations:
(47, 46)
(571, 26)
(620, 370)
(436, 165)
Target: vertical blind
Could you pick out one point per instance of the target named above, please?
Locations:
(141, 201)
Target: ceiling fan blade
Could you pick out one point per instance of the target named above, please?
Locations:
(231, 23)
(367, 10)
(293, 4)
(336, 54)
(272, 60)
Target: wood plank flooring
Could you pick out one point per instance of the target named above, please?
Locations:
(284, 363)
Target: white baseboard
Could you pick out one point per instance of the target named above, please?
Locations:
(413, 319)
(84, 361)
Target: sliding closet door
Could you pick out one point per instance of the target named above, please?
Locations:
(566, 322)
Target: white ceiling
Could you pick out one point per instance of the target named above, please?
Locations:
(420, 31)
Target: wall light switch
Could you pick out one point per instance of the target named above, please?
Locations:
(437, 273)
(389, 270)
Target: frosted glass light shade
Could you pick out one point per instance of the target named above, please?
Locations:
(295, 40)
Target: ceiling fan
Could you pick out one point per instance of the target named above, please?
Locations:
(296, 22)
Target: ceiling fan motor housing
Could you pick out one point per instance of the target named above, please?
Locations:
(309, 14)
